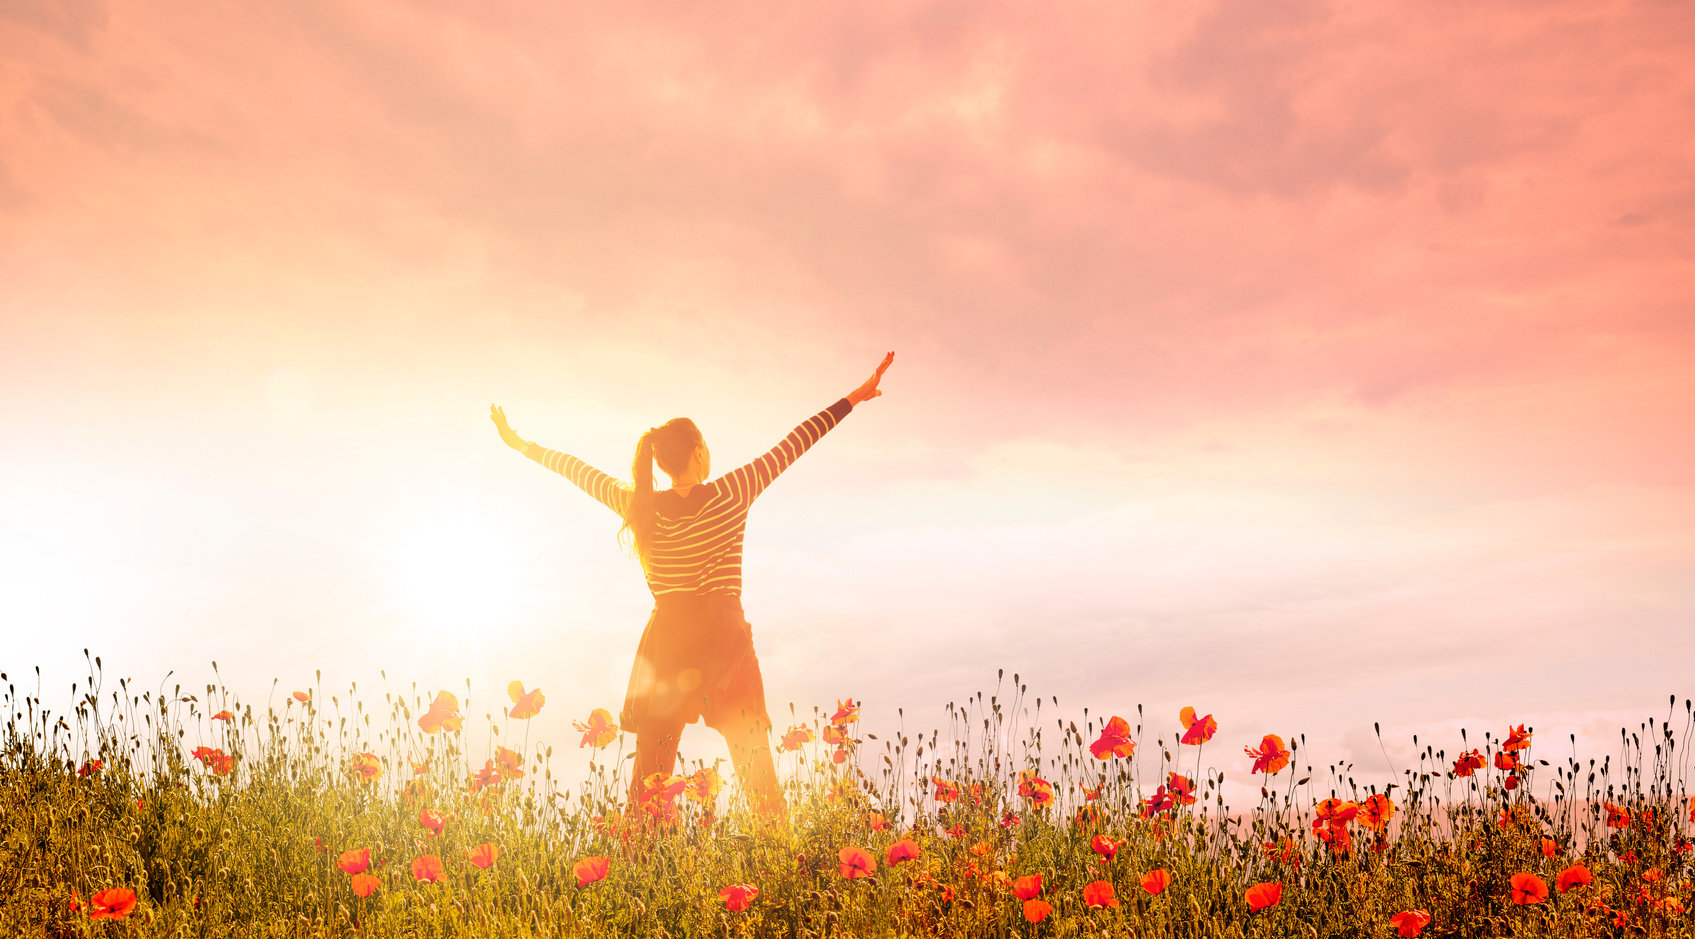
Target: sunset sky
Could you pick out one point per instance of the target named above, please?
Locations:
(1313, 364)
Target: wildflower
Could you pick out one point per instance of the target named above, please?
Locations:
(878, 822)
(484, 854)
(510, 763)
(1517, 739)
(1337, 811)
(525, 704)
(1028, 887)
(1550, 849)
(1468, 763)
(487, 776)
(1037, 910)
(427, 868)
(1528, 888)
(304, 697)
(354, 861)
(833, 735)
(1086, 817)
(112, 903)
(945, 790)
(1114, 742)
(664, 786)
(1182, 788)
(1010, 820)
(1103, 846)
(1617, 815)
(220, 763)
(1410, 922)
(73, 904)
(856, 863)
(1196, 730)
(1285, 851)
(223, 715)
(797, 736)
(1155, 881)
(1090, 795)
(599, 731)
(703, 787)
(846, 712)
(1099, 895)
(1033, 787)
(364, 884)
(1271, 755)
(903, 850)
(442, 715)
(1262, 895)
(591, 869)
(432, 821)
(1376, 811)
(736, 897)
(88, 768)
(1507, 761)
(367, 767)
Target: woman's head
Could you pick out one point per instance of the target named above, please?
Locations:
(676, 446)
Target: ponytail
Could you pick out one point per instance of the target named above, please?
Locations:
(670, 445)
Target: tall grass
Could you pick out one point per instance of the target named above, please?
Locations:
(256, 851)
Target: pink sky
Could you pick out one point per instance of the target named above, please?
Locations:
(1312, 364)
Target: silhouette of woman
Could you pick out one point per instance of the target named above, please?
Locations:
(695, 659)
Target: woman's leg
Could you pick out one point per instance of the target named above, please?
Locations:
(656, 752)
(750, 751)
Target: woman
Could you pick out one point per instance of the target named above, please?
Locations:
(695, 659)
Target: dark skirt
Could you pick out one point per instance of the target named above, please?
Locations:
(695, 660)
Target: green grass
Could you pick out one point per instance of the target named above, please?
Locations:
(254, 853)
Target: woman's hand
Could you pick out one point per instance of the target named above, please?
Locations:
(506, 432)
(869, 390)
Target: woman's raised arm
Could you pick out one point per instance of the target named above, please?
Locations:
(606, 490)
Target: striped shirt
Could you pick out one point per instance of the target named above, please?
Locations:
(697, 539)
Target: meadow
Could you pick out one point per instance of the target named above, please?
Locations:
(191, 813)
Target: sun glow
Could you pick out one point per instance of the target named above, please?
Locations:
(458, 574)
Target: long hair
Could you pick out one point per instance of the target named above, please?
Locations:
(671, 444)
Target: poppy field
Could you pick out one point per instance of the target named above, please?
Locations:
(192, 813)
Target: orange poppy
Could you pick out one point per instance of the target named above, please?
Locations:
(599, 731)
(1196, 730)
(510, 763)
(442, 715)
(1507, 762)
(846, 712)
(833, 735)
(364, 884)
(427, 868)
(1033, 787)
(856, 863)
(591, 869)
(797, 736)
(525, 704)
(703, 787)
(1182, 788)
(1028, 887)
(1037, 910)
(1617, 815)
(878, 822)
(903, 850)
(484, 854)
(1410, 922)
(1099, 894)
(112, 903)
(662, 786)
(1528, 888)
(1090, 795)
(89, 768)
(367, 767)
(1114, 742)
(1155, 881)
(1262, 895)
(1103, 846)
(1517, 739)
(945, 790)
(432, 821)
(304, 697)
(1336, 811)
(223, 715)
(355, 861)
(1550, 849)
(487, 776)
(1376, 811)
(1468, 763)
(736, 897)
(1574, 876)
(1271, 755)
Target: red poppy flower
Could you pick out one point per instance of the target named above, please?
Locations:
(1010, 820)
(846, 713)
(1285, 851)
(1090, 795)
(1155, 881)
(432, 821)
(304, 697)
(364, 884)
(510, 763)
(1376, 811)
(1103, 846)
(856, 863)
(427, 868)
(703, 787)
(736, 897)
(525, 704)
(1196, 730)
(1028, 887)
(484, 854)
(1181, 788)
(1617, 815)
(1262, 895)
(1528, 888)
(591, 869)
(1550, 849)
(442, 715)
(797, 736)
(599, 731)
(833, 735)
(223, 715)
(1099, 894)
(1033, 787)
(113, 903)
(366, 767)
(1507, 762)
(1468, 763)
(1037, 910)
(1114, 742)
(1574, 876)
(1337, 811)
(662, 786)
(220, 763)
(945, 790)
(89, 768)
(1517, 739)
(903, 850)
(878, 822)
(1271, 755)
(355, 861)
(1410, 923)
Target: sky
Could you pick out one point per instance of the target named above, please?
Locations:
(1312, 364)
